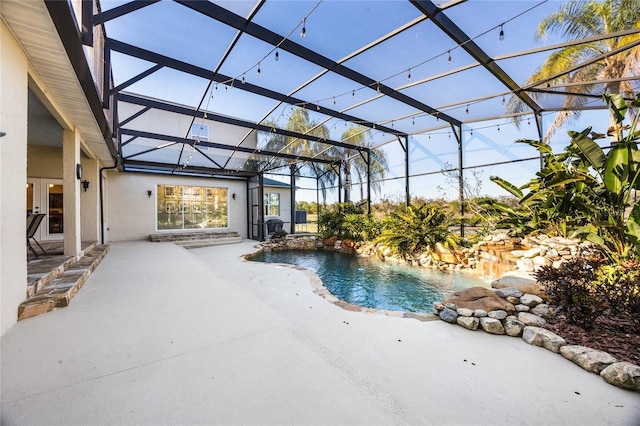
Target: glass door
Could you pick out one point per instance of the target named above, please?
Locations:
(45, 196)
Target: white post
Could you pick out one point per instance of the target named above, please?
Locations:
(71, 188)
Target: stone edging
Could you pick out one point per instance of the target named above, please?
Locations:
(528, 324)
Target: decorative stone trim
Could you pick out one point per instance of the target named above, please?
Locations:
(528, 325)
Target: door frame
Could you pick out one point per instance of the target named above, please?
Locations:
(40, 203)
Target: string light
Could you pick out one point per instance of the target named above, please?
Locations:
(449, 57)
(334, 100)
(503, 100)
(449, 135)
(498, 127)
(243, 80)
(318, 106)
(467, 110)
(409, 75)
(258, 68)
(303, 33)
(277, 55)
(528, 121)
(413, 121)
(501, 32)
(353, 93)
(471, 132)
(378, 87)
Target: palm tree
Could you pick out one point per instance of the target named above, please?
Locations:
(580, 20)
(356, 163)
(299, 122)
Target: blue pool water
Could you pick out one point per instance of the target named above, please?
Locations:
(373, 283)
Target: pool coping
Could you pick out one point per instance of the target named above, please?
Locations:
(322, 291)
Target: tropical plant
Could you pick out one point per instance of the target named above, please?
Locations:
(584, 191)
(587, 19)
(415, 229)
(331, 220)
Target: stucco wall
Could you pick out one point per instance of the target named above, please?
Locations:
(285, 205)
(13, 175)
(44, 162)
(131, 213)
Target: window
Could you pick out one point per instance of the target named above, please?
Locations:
(191, 207)
(272, 204)
(200, 131)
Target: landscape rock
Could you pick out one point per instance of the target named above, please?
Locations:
(470, 323)
(448, 315)
(499, 315)
(491, 325)
(522, 308)
(590, 359)
(623, 374)
(451, 306)
(530, 300)
(513, 299)
(479, 313)
(464, 312)
(521, 281)
(541, 310)
(479, 298)
(508, 291)
(538, 336)
(438, 306)
(531, 319)
(512, 326)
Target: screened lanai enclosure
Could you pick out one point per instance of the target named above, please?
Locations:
(353, 100)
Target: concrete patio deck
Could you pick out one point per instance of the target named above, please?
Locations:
(164, 335)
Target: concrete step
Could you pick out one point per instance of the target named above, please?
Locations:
(59, 291)
(208, 242)
(191, 236)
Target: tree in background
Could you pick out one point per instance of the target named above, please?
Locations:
(583, 19)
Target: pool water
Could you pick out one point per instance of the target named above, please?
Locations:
(373, 283)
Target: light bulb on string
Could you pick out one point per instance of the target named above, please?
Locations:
(471, 133)
(501, 32)
(391, 123)
(449, 135)
(409, 75)
(498, 127)
(277, 55)
(449, 57)
(413, 121)
(303, 33)
(378, 87)
(243, 80)
(353, 93)
(334, 100)
(258, 68)
(467, 110)
(503, 100)
(528, 121)
(429, 135)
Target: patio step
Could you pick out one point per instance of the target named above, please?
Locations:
(58, 292)
(45, 269)
(197, 239)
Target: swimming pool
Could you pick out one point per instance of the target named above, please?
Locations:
(373, 283)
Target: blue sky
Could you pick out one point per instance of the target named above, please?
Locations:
(335, 29)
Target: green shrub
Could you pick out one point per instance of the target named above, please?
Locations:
(620, 285)
(348, 222)
(415, 229)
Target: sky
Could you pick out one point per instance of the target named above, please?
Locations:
(416, 63)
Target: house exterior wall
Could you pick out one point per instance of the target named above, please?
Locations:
(13, 175)
(131, 213)
(285, 206)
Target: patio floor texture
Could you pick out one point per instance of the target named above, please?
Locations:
(164, 335)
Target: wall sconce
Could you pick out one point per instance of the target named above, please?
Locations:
(85, 185)
(233, 196)
(149, 193)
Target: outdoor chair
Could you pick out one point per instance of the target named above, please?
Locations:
(33, 223)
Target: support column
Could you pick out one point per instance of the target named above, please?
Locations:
(71, 188)
(293, 198)
(13, 177)
(90, 201)
(457, 131)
